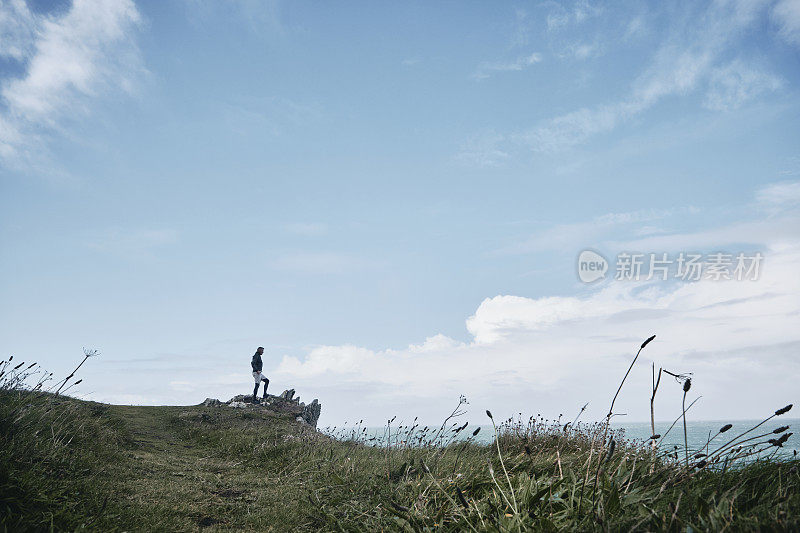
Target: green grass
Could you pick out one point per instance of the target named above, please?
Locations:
(71, 465)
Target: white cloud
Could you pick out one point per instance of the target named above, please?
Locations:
(17, 30)
(779, 197)
(736, 83)
(584, 50)
(557, 19)
(680, 65)
(786, 14)
(561, 16)
(485, 70)
(552, 354)
(68, 61)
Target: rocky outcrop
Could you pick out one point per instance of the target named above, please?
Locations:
(286, 402)
(311, 412)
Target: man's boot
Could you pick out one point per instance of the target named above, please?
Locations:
(255, 394)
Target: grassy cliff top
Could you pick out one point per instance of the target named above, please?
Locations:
(67, 464)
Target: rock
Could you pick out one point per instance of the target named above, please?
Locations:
(285, 403)
(241, 398)
(287, 395)
(211, 402)
(311, 412)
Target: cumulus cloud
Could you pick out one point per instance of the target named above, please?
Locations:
(68, 60)
(552, 354)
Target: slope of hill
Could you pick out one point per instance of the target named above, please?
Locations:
(66, 464)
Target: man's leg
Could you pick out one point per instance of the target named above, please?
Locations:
(257, 376)
(266, 384)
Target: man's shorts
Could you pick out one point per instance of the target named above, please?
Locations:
(259, 377)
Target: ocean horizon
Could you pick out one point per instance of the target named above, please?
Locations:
(701, 435)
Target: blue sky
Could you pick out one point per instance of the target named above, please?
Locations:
(391, 198)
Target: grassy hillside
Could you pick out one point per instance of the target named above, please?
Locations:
(68, 465)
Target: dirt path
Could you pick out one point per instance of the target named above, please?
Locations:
(184, 481)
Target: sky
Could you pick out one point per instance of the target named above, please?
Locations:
(391, 198)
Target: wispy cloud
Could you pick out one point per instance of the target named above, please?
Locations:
(780, 197)
(580, 234)
(565, 14)
(583, 50)
(485, 70)
(774, 219)
(736, 83)
(68, 61)
(688, 58)
(786, 14)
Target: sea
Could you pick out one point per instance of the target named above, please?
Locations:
(701, 436)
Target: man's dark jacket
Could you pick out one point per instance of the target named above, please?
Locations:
(256, 363)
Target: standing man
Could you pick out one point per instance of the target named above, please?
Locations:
(258, 366)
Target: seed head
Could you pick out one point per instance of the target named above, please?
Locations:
(782, 410)
(489, 414)
(645, 343)
(476, 431)
(654, 437)
(780, 429)
(611, 450)
(725, 428)
(687, 385)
